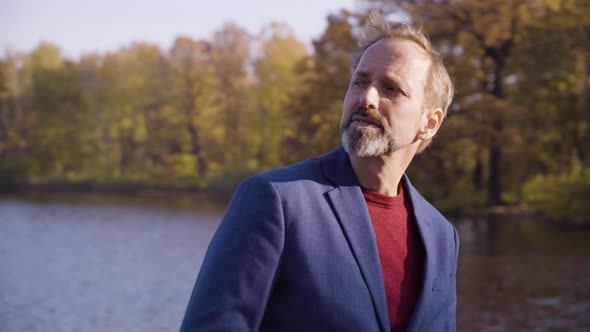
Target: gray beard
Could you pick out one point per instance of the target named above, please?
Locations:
(361, 142)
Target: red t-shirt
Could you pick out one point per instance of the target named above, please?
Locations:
(400, 252)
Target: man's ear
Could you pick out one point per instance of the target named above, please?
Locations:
(429, 123)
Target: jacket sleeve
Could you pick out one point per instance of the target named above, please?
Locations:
(241, 263)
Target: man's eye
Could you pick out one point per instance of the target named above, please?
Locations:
(358, 83)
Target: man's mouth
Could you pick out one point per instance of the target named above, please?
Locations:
(363, 121)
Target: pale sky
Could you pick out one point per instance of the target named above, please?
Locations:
(79, 26)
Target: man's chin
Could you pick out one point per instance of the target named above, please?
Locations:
(364, 148)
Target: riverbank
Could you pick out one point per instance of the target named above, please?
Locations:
(186, 196)
(127, 193)
(192, 196)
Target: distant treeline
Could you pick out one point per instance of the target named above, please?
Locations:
(207, 113)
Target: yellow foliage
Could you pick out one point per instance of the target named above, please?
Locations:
(554, 5)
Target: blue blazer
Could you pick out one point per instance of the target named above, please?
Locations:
(296, 251)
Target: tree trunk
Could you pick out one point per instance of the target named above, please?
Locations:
(478, 172)
(232, 148)
(495, 160)
(580, 139)
(495, 181)
(197, 149)
(263, 149)
(3, 129)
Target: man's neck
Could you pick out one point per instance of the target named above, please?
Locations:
(381, 174)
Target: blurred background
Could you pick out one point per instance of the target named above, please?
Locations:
(126, 125)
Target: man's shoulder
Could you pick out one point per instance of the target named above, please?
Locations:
(437, 218)
(302, 170)
(435, 213)
(425, 210)
(331, 169)
(306, 174)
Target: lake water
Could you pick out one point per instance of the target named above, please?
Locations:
(72, 266)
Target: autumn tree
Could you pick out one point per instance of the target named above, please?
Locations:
(230, 57)
(276, 84)
(134, 86)
(12, 119)
(53, 101)
(195, 94)
(326, 73)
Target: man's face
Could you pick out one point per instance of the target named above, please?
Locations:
(383, 104)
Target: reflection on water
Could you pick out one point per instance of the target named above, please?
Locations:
(523, 275)
(102, 267)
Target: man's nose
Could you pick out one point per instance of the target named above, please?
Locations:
(370, 97)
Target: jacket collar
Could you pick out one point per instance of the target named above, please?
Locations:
(338, 169)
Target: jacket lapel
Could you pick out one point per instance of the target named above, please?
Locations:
(352, 213)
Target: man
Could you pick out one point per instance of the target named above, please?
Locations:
(343, 242)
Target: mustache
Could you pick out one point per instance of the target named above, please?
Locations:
(368, 114)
